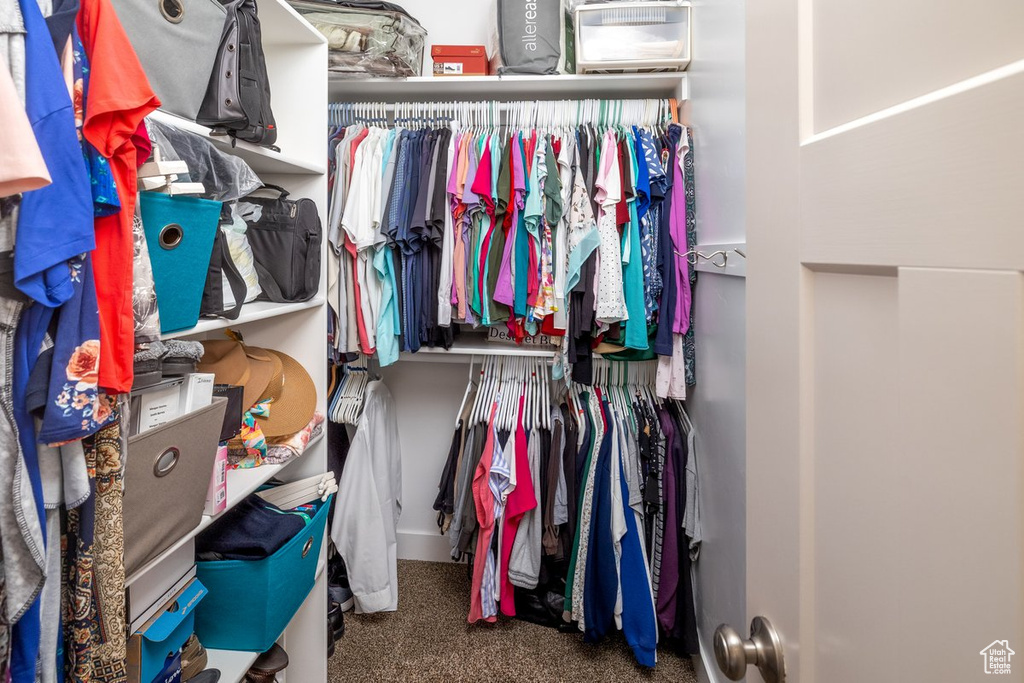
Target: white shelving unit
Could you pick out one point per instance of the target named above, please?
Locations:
(427, 388)
(458, 352)
(261, 159)
(296, 56)
(232, 664)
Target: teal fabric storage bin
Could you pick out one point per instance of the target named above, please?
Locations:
(249, 604)
(179, 234)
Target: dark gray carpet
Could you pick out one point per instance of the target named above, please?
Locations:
(428, 639)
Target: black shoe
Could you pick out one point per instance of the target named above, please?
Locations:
(268, 665)
(336, 618)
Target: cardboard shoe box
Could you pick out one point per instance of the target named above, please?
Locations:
(459, 60)
(153, 648)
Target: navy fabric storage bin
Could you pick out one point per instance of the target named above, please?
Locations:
(249, 604)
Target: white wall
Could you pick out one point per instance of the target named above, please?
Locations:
(717, 114)
(450, 22)
(427, 397)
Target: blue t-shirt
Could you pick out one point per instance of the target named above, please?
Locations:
(55, 223)
(71, 407)
(105, 199)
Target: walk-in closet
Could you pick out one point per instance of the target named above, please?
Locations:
(438, 389)
(350, 340)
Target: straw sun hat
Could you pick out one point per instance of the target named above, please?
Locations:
(264, 374)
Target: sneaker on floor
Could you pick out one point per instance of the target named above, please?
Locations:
(343, 596)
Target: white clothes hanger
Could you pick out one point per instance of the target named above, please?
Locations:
(469, 387)
(486, 377)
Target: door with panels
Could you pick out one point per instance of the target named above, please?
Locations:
(885, 372)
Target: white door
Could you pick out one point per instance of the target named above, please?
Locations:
(885, 375)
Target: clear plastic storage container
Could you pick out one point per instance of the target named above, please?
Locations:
(633, 36)
(367, 39)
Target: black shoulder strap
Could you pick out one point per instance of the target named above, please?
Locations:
(271, 290)
(235, 281)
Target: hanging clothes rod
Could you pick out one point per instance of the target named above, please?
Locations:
(526, 113)
(466, 354)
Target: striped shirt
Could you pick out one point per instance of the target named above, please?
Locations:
(499, 483)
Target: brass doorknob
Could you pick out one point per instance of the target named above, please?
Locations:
(763, 650)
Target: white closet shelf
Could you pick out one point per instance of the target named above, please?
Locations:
(289, 28)
(568, 86)
(261, 159)
(427, 354)
(240, 484)
(251, 312)
(232, 663)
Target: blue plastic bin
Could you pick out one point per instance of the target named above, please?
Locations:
(250, 603)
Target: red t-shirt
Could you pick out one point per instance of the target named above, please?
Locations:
(119, 99)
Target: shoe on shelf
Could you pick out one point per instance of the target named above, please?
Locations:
(268, 665)
(181, 358)
(149, 364)
(193, 659)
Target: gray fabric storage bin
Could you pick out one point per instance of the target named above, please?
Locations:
(168, 35)
(529, 37)
(166, 481)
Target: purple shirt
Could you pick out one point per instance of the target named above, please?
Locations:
(668, 581)
(677, 228)
(503, 291)
(472, 201)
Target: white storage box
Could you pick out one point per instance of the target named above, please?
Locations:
(614, 37)
(149, 592)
